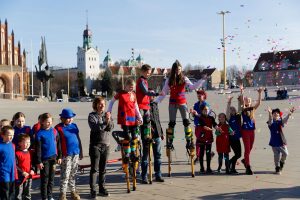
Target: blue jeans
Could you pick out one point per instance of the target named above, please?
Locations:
(156, 147)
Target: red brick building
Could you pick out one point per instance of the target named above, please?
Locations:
(13, 71)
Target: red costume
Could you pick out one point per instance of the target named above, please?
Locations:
(222, 141)
(126, 108)
(177, 94)
(143, 100)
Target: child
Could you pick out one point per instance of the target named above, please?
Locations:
(4, 122)
(7, 164)
(205, 139)
(277, 140)
(129, 117)
(19, 126)
(201, 94)
(248, 126)
(71, 152)
(24, 167)
(100, 124)
(157, 136)
(222, 142)
(48, 150)
(235, 122)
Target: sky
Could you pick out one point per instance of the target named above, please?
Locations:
(160, 30)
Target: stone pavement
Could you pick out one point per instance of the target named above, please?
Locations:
(264, 184)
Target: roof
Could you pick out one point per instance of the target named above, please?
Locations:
(197, 74)
(278, 60)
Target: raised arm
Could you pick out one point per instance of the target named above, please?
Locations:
(285, 120)
(259, 98)
(228, 106)
(138, 114)
(270, 116)
(241, 103)
(194, 86)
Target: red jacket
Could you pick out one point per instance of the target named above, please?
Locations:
(222, 141)
(143, 100)
(126, 108)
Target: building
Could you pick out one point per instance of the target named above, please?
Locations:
(88, 60)
(213, 76)
(13, 71)
(277, 68)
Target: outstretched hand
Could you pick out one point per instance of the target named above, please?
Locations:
(260, 90)
(269, 109)
(292, 109)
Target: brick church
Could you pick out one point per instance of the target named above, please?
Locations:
(13, 72)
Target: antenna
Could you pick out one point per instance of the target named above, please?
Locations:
(87, 18)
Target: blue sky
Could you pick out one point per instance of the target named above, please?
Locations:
(161, 30)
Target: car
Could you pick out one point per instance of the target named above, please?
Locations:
(86, 99)
(59, 100)
(73, 100)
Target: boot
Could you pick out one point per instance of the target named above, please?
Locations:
(75, 195)
(248, 170)
(277, 170)
(281, 165)
(103, 192)
(62, 196)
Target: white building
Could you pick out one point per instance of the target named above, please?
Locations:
(88, 60)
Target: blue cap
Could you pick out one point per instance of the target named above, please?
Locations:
(67, 113)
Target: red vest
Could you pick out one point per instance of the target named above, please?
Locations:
(177, 94)
(126, 108)
(142, 99)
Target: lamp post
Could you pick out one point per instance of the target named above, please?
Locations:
(223, 44)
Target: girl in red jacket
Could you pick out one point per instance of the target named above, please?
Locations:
(222, 142)
(129, 117)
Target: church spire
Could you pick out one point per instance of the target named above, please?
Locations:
(87, 35)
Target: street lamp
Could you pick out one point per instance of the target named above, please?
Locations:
(223, 44)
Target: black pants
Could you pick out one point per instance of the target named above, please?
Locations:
(23, 190)
(99, 156)
(237, 149)
(205, 148)
(220, 159)
(7, 190)
(47, 178)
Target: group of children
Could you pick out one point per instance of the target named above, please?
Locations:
(44, 146)
(24, 151)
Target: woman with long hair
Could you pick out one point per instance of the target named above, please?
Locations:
(176, 84)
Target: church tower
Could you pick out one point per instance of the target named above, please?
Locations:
(88, 60)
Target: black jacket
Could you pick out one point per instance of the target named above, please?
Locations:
(155, 122)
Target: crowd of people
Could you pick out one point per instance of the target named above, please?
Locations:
(24, 151)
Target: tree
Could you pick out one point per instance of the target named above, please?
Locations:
(106, 83)
(80, 80)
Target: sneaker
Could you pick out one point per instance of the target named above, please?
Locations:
(249, 171)
(202, 171)
(209, 171)
(50, 198)
(159, 179)
(103, 192)
(233, 171)
(277, 170)
(93, 195)
(62, 196)
(144, 181)
(74, 196)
